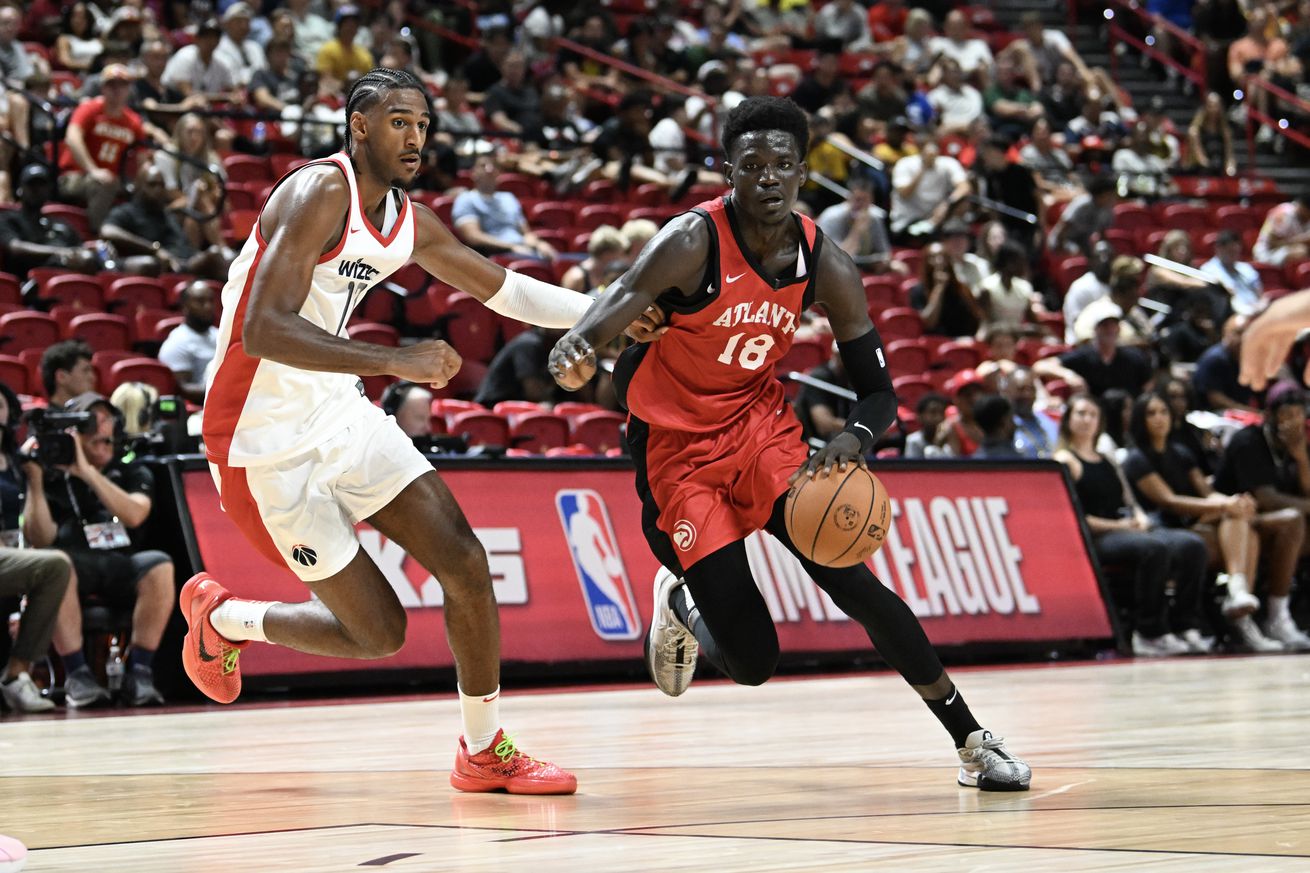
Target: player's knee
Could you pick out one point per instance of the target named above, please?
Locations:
(465, 571)
(757, 668)
(385, 636)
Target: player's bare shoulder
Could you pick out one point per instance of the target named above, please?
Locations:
(676, 257)
(313, 202)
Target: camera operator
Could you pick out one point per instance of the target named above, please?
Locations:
(86, 507)
(39, 574)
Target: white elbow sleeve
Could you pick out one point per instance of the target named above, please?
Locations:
(535, 302)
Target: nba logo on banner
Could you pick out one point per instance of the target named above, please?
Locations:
(595, 550)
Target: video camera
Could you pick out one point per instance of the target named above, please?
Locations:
(54, 445)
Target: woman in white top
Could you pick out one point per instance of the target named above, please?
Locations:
(1006, 295)
(77, 46)
(190, 138)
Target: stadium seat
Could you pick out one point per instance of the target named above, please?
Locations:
(146, 370)
(551, 214)
(27, 330)
(104, 362)
(31, 359)
(247, 168)
(281, 163)
(481, 428)
(910, 388)
(411, 277)
(576, 450)
(533, 267)
(599, 430)
(465, 383)
(803, 356)
(154, 325)
(1067, 270)
(901, 322)
(1270, 276)
(13, 372)
(958, 356)
(11, 290)
(1298, 274)
(75, 216)
(375, 385)
(470, 327)
(102, 332)
(1238, 218)
(572, 409)
(538, 431)
(601, 191)
(521, 185)
(73, 289)
(880, 292)
(512, 408)
(240, 224)
(372, 332)
(126, 296)
(594, 215)
(907, 356)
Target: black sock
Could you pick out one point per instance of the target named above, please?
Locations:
(955, 716)
(144, 657)
(73, 661)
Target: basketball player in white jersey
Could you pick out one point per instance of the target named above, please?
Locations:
(300, 455)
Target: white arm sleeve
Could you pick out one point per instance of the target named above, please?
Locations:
(530, 300)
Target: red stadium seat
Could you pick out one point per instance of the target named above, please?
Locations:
(375, 385)
(102, 332)
(154, 325)
(571, 409)
(146, 370)
(126, 296)
(1067, 270)
(551, 214)
(1185, 216)
(520, 185)
(900, 323)
(880, 292)
(1298, 274)
(31, 359)
(470, 327)
(1270, 276)
(910, 388)
(599, 430)
(576, 450)
(803, 356)
(596, 214)
(13, 373)
(247, 168)
(481, 428)
(907, 356)
(1238, 218)
(76, 290)
(75, 216)
(539, 431)
(281, 163)
(240, 224)
(537, 269)
(1132, 216)
(448, 407)
(104, 363)
(27, 330)
(466, 382)
(601, 191)
(959, 356)
(11, 290)
(372, 332)
(511, 408)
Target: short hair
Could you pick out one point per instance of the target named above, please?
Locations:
(62, 356)
(990, 412)
(766, 113)
(1101, 185)
(997, 329)
(277, 44)
(1227, 237)
(930, 399)
(606, 238)
(370, 88)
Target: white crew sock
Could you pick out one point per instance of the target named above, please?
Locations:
(1277, 607)
(481, 715)
(241, 619)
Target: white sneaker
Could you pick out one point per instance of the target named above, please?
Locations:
(1239, 600)
(1252, 638)
(22, 695)
(986, 765)
(1164, 646)
(1284, 630)
(1196, 643)
(671, 648)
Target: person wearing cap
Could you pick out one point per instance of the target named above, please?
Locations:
(30, 239)
(1090, 286)
(1103, 362)
(960, 435)
(243, 55)
(1086, 217)
(87, 510)
(99, 133)
(341, 58)
(197, 68)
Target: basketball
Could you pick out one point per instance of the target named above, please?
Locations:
(13, 855)
(840, 520)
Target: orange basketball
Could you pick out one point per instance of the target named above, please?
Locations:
(840, 520)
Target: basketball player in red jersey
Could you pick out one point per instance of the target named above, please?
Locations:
(300, 455)
(715, 443)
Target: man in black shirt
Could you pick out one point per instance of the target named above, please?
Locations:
(819, 88)
(1012, 184)
(1215, 379)
(513, 103)
(277, 86)
(30, 239)
(1104, 364)
(823, 414)
(144, 225)
(518, 372)
(86, 510)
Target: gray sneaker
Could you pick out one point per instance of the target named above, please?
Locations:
(987, 766)
(82, 691)
(671, 648)
(22, 695)
(139, 688)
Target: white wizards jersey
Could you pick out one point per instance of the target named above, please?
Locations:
(258, 411)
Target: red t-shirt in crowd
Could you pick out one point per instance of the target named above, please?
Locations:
(106, 136)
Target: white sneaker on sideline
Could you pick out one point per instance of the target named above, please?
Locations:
(1284, 630)
(22, 695)
(1253, 639)
(1163, 646)
(1197, 643)
(1239, 600)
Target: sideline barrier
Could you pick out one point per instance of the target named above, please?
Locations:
(982, 553)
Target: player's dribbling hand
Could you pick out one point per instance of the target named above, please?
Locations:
(431, 362)
(840, 452)
(572, 362)
(649, 326)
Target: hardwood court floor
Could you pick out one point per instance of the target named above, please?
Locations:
(1189, 765)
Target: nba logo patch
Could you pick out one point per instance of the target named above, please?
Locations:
(595, 551)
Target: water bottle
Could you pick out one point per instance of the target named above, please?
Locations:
(105, 252)
(260, 135)
(114, 665)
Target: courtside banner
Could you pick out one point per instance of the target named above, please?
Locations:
(981, 554)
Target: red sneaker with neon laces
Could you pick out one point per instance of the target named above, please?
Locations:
(211, 659)
(502, 767)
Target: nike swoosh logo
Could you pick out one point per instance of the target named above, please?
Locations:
(951, 699)
(356, 229)
(732, 279)
(204, 653)
(491, 698)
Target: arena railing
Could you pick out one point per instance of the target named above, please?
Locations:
(1280, 124)
(1123, 17)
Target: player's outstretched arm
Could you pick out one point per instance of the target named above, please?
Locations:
(841, 293)
(1269, 338)
(302, 221)
(674, 260)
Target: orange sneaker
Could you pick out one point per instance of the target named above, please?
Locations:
(502, 767)
(210, 659)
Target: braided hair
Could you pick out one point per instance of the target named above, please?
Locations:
(370, 88)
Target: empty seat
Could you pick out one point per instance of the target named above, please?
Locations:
(573, 409)
(27, 330)
(959, 356)
(803, 356)
(481, 428)
(599, 430)
(378, 334)
(82, 292)
(470, 327)
(901, 322)
(13, 372)
(910, 388)
(512, 408)
(102, 331)
(126, 296)
(247, 168)
(907, 356)
(75, 216)
(146, 370)
(539, 431)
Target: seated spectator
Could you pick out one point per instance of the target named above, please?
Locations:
(1210, 139)
(1048, 48)
(30, 239)
(87, 510)
(1169, 482)
(184, 180)
(883, 98)
(896, 143)
(1011, 184)
(1123, 535)
(1174, 288)
(1051, 165)
(518, 371)
(1006, 296)
(513, 104)
(77, 46)
(66, 372)
(1104, 363)
(1035, 434)
(957, 103)
(243, 55)
(197, 70)
(822, 413)
(1269, 461)
(913, 51)
(1090, 286)
(1285, 234)
(1085, 218)
(846, 22)
(946, 305)
(312, 30)
(638, 232)
(1241, 280)
(995, 417)
(860, 228)
(824, 84)
(926, 442)
(623, 153)
(1064, 97)
(973, 55)
(1137, 328)
(17, 64)
(1216, 372)
(1261, 55)
(1191, 333)
(342, 59)
(960, 434)
(492, 221)
(924, 189)
(887, 20)
(40, 575)
(1140, 171)
(99, 131)
(189, 347)
(150, 96)
(145, 225)
(411, 405)
(1011, 105)
(1161, 135)
(276, 87)
(607, 244)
